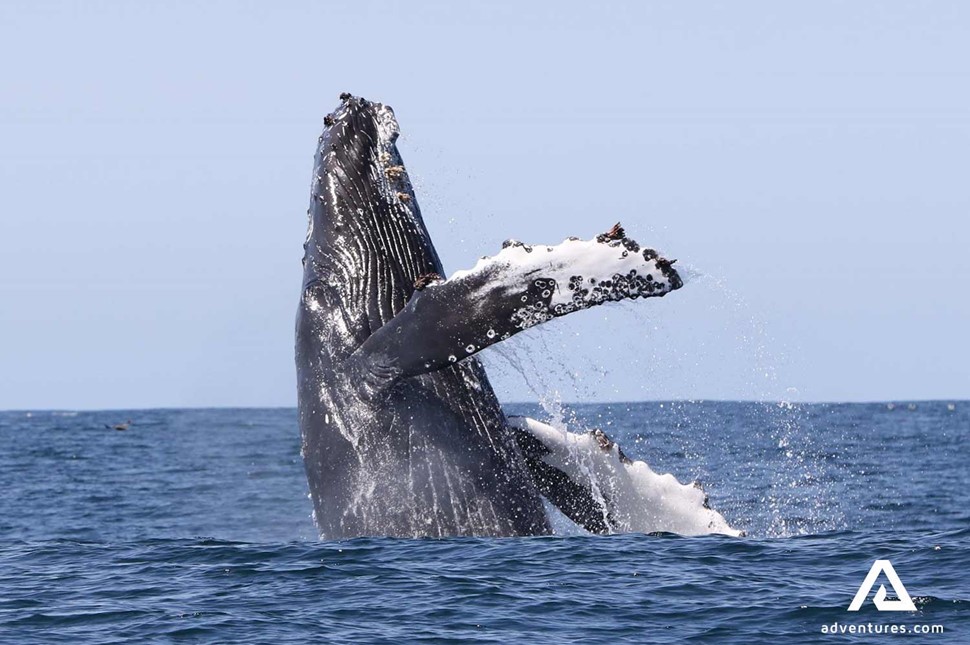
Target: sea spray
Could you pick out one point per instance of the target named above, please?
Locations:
(797, 499)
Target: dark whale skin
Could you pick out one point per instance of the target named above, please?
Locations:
(428, 455)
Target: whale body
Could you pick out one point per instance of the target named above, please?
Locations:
(402, 434)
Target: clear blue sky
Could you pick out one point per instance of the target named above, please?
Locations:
(811, 160)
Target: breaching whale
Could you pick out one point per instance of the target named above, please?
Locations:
(402, 434)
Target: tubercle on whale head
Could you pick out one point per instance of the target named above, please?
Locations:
(375, 120)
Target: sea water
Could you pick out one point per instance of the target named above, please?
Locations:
(194, 526)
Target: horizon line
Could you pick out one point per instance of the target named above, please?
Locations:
(503, 404)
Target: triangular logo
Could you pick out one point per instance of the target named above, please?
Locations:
(904, 602)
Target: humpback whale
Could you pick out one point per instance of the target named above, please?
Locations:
(402, 434)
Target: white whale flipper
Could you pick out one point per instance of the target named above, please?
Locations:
(522, 286)
(589, 478)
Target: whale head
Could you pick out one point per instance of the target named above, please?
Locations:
(365, 235)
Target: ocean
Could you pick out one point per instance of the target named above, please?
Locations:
(194, 526)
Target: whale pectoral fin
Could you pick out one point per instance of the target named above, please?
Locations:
(594, 484)
(520, 287)
(576, 499)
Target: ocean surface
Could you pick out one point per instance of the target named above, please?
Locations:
(194, 526)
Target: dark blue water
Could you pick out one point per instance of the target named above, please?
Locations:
(194, 526)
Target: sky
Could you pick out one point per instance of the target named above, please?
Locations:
(805, 163)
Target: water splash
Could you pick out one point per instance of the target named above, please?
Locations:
(797, 498)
